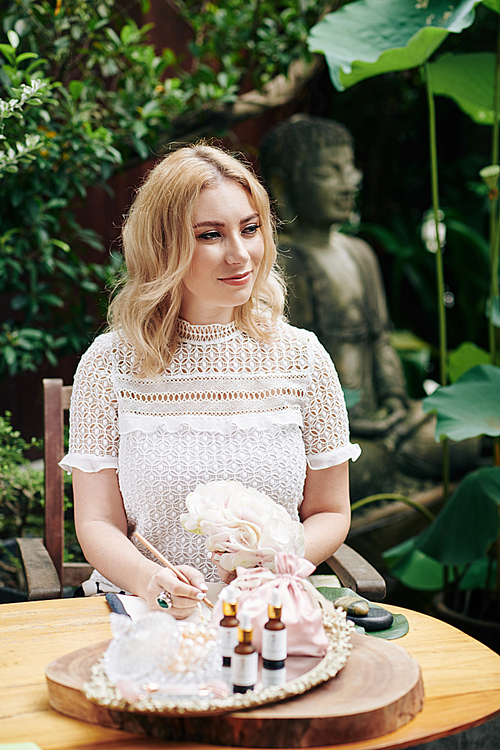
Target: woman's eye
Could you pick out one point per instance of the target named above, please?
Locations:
(213, 235)
(251, 228)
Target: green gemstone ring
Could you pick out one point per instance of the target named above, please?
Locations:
(164, 600)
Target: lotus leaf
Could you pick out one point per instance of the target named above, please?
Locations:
(414, 568)
(468, 408)
(467, 356)
(468, 523)
(468, 79)
(370, 37)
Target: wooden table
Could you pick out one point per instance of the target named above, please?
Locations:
(461, 678)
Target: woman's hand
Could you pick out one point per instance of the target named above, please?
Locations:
(185, 597)
(226, 576)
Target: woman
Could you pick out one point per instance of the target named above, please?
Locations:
(198, 380)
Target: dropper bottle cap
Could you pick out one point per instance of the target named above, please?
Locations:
(274, 608)
(245, 629)
(229, 594)
(229, 601)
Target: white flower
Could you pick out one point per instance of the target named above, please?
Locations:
(244, 525)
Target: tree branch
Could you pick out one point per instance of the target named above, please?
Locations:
(215, 118)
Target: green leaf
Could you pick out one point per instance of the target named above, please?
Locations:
(480, 575)
(468, 523)
(467, 356)
(492, 5)
(403, 340)
(468, 79)
(468, 408)
(414, 569)
(331, 593)
(400, 626)
(63, 245)
(13, 38)
(51, 357)
(370, 37)
(140, 147)
(75, 89)
(8, 52)
(25, 56)
(52, 299)
(9, 355)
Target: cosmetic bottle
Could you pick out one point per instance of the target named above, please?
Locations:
(274, 649)
(245, 659)
(228, 630)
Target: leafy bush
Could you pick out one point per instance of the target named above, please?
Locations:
(21, 488)
(235, 41)
(82, 94)
(22, 496)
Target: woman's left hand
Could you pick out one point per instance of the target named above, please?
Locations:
(226, 576)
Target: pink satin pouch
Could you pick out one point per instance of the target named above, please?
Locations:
(300, 610)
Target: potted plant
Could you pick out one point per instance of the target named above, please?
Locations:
(458, 553)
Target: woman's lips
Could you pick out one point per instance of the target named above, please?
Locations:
(238, 279)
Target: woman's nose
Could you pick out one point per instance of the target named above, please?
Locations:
(236, 250)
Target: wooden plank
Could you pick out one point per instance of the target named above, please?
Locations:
(42, 581)
(66, 396)
(53, 452)
(76, 573)
(357, 574)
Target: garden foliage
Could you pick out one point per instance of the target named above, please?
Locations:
(83, 94)
(364, 39)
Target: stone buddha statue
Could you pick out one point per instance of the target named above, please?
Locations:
(336, 290)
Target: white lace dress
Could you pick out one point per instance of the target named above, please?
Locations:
(228, 407)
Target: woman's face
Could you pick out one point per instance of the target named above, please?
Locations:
(229, 249)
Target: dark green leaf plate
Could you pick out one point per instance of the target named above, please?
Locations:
(398, 629)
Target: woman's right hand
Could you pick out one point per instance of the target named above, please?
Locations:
(185, 597)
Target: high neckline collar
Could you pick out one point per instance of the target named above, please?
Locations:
(205, 334)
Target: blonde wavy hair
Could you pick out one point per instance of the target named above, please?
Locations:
(158, 244)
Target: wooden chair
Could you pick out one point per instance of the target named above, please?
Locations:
(42, 559)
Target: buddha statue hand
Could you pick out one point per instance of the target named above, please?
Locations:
(393, 411)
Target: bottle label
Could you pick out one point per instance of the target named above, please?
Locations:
(274, 645)
(271, 677)
(228, 640)
(244, 669)
(226, 675)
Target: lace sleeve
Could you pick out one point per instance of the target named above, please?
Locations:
(93, 435)
(326, 426)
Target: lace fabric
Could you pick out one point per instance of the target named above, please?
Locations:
(227, 407)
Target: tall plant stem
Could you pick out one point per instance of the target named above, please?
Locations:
(494, 250)
(439, 270)
(398, 498)
(494, 208)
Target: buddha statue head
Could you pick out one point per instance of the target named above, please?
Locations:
(308, 165)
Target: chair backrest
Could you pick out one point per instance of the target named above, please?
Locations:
(56, 399)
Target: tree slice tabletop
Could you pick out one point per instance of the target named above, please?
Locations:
(461, 679)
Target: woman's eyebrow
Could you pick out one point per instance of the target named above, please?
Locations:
(209, 223)
(215, 223)
(249, 218)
